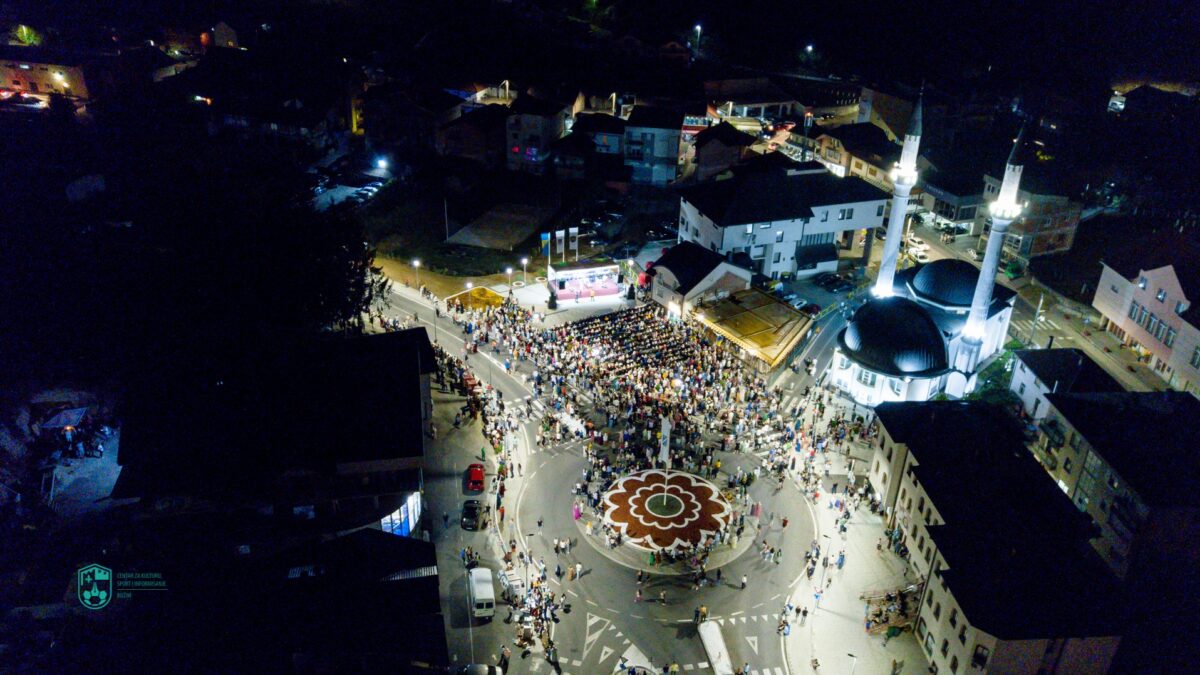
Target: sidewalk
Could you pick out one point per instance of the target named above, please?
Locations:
(835, 629)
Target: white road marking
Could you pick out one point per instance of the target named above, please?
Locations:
(753, 640)
(593, 635)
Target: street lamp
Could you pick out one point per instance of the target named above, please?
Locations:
(381, 163)
(853, 663)
(524, 274)
(508, 271)
(808, 49)
(417, 270)
(698, 30)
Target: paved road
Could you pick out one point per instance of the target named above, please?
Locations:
(604, 622)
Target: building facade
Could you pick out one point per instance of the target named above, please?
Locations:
(1047, 224)
(1039, 372)
(768, 214)
(533, 125)
(688, 272)
(1145, 304)
(652, 138)
(38, 70)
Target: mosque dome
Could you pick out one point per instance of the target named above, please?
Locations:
(894, 336)
(948, 282)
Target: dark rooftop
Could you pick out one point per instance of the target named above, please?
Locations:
(1020, 588)
(689, 262)
(230, 426)
(1004, 519)
(490, 116)
(746, 90)
(1149, 438)
(655, 118)
(532, 105)
(1068, 371)
(598, 123)
(47, 55)
(866, 142)
(770, 195)
(726, 133)
(972, 462)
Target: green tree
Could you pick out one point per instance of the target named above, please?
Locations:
(24, 35)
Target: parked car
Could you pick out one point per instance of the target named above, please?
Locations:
(823, 278)
(475, 477)
(471, 511)
(921, 256)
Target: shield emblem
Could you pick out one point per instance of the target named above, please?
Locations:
(94, 586)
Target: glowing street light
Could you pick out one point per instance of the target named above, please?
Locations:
(508, 271)
(524, 272)
(417, 270)
(381, 163)
(808, 49)
(698, 30)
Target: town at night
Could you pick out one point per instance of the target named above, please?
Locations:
(599, 337)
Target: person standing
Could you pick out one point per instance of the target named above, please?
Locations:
(578, 570)
(446, 519)
(743, 582)
(662, 598)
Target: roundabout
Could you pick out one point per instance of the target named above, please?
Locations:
(658, 510)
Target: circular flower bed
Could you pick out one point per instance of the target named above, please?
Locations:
(692, 510)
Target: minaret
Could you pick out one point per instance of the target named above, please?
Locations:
(1003, 211)
(904, 177)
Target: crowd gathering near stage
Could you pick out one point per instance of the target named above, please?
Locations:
(607, 383)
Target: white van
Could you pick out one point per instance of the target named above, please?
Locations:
(481, 593)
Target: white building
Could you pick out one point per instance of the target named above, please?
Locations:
(780, 216)
(1008, 583)
(1038, 372)
(687, 273)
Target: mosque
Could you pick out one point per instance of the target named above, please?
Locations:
(928, 330)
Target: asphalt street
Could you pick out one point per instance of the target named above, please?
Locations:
(604, 622)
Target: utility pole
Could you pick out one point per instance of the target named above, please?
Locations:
(446, 217)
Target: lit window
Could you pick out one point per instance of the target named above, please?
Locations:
(1161, 295)
(1142, 282)
(1170, 339)
(866, 377)
(1180, 307)
(896, 385)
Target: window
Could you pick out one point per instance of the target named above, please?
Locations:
(896, 385)
(1160, 332)
(982, 654)
(1113, 288)
(1195, 358)
(1142, 314)
(749, 229)
(866, 377)
(1161, 295)
(778, 237)
(1152, 324)
(1021, 389)
(921, 505)
(1067, 465)
(879, 210)
(841, 214)
(937, 614)
(1133, 310)
(1142, 282)
(872, 171)
(764, 226)
(1170, 339)
(945, 647)
(954, 664)
(843, 363)
(953, 617)
(777, 258)
(825, 216)
(1180, 307)
(962, 634)
(930, 641)
(929, 600)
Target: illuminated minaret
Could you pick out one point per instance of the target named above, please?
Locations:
(904, 177)
(1003, 211)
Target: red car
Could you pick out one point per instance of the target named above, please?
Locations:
(475, 477)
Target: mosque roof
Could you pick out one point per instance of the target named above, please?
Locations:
(948, 282)
(895, 336)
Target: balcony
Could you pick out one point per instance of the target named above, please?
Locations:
(1054, 434)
